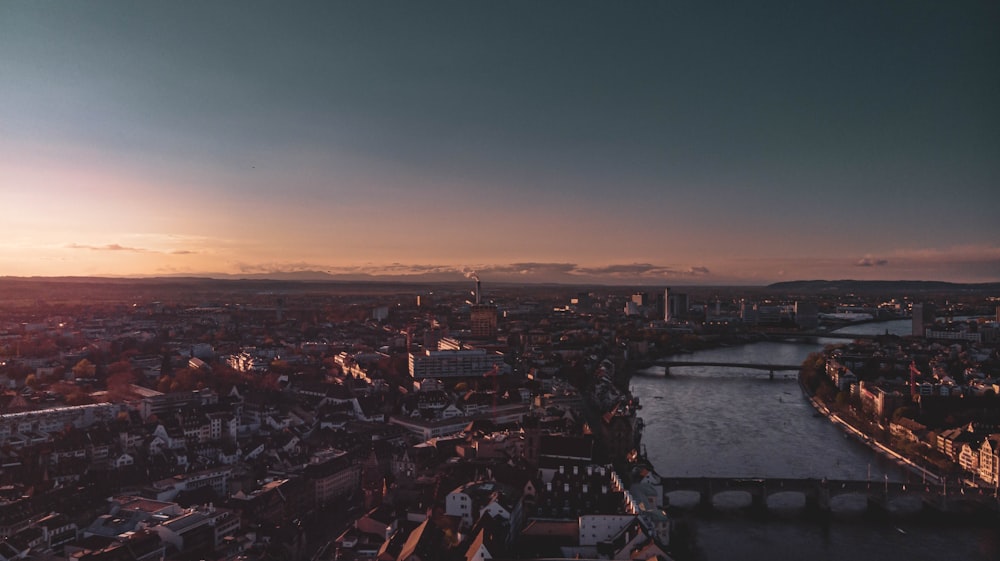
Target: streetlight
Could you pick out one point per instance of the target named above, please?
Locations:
(886, 484)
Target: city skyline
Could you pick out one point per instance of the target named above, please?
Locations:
(623, 144)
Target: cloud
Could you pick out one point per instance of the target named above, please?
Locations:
(631, 270)
(869, 261)
(265, 268)
(108, 247)
(956, 254)
(530, 268)
(130, 249)
(392, 269)
(527, 271)
(964, 263)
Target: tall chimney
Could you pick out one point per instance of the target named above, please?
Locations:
(478, 291)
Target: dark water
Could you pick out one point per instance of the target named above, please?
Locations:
(724, 539)
(731, 422)
(724, 422)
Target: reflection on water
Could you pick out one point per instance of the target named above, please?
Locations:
(731, 422)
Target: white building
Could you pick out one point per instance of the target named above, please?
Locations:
(456, 364)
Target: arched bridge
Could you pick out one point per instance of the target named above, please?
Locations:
(770, 368)
(814, 335)
(879, 495)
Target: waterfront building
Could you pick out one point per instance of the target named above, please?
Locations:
(923, 316)
(953, 335)
(768, 315)
(806, 315)
(989, 460)
(878, 401)
(841, 376)
(968, 458)
(748, 312)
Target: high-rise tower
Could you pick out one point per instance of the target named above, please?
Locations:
(923, 316)
(482, 317)
(675, 305)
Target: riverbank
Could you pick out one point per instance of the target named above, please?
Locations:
(900, 460)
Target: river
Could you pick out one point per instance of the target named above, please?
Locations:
(729, 422)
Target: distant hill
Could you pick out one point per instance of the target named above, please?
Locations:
(847, 286)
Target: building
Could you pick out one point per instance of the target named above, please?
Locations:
(199, 529)
(216, 478)
(631, 308)
(806, 315)
(455, 364)
(334, 476)
(164, 404)
(483, 321)
(748, 312)
(989, 460)
(471, 500)
(953, 335)
(428, 429)
(36, 427)
(675, 305)
(923, 316)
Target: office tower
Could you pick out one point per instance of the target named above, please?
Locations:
(806, 315)
(483, 321)
(923, 316)
(675, 305)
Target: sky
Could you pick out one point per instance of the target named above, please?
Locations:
(641, 142)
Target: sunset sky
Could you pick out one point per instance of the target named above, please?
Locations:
(618, 142)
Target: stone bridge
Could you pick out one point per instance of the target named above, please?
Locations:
(770, 368)
(813, 336)
(818, 493)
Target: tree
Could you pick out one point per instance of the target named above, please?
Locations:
(825, 392)
(84, 369)
(72, 394)
(120, 385)
(119, 367)
(187, 379)
(163, 384)
(31, 381)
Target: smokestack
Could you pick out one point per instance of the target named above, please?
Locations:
(470, 274)
(479, 291)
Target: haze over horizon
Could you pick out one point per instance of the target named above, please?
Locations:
(640, 143)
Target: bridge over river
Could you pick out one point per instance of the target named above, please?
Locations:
(817, 495)
(770, 368)
(813, 336)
